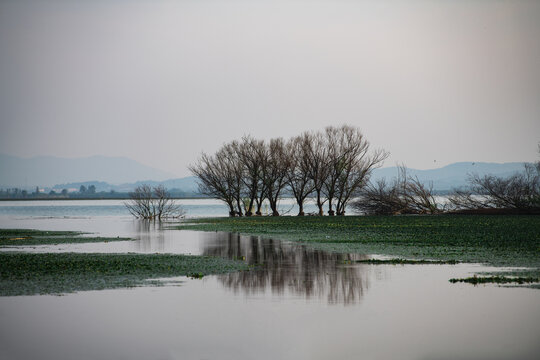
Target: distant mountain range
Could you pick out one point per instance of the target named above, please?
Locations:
(454, 175)
(123, 174)
(46, 171)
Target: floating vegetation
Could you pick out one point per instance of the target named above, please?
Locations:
(56, 273)
(196, 275)
(496, 279)
(24, 237)
(407, 262)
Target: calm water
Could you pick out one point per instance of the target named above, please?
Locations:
(301, 304)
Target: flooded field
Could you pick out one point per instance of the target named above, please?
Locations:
(299, 303)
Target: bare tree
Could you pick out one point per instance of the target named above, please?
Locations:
(404, 195)
(251, 154)
(262, 188)
(356, 177)
(418, 196)
(277, 164)
(519, 191)
(229, 158)
(215, 179)
(380, 198)
(317, 158)
(349, 165)
(298, 179)
(152, 203)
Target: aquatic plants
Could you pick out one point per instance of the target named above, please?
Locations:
(55, 273)
(25, 237)
(406, 262)
(475, 280)
(496, 240)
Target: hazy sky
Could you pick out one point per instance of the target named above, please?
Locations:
(159, 82)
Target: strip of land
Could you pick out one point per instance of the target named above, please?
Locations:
(498, 240)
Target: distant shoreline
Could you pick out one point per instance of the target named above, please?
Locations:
(101, 198)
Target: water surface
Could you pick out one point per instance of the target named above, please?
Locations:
(300, 303)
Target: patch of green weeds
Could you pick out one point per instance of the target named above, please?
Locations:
(25, 237)
(475, 280)
(500, 240)
(407, 262)
(56, 273)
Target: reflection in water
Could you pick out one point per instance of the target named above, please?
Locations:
(284, 266)
(150, 235)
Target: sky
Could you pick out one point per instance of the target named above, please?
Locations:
(432, 82)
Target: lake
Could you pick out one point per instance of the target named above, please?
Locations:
(300, 304)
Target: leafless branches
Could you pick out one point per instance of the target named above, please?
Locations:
(297, 176)
(277, 167)
(216, 178)
(332, 165)
(152, 203)
(350, 165)
(404, 195)
(519, 191)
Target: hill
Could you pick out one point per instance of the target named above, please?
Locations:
(454, 175)
(46, 171)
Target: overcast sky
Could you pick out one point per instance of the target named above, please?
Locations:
(433, 82)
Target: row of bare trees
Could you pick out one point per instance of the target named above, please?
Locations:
(332, 166)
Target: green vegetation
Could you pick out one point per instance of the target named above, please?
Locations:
(22, 237)
(475, 280)
(29, 274)
(494, 240)
(407, 262)
(499, 240)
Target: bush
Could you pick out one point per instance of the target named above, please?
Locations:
(153, 203)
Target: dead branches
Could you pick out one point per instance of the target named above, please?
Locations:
(152, 203)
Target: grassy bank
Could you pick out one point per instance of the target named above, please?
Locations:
(29, 274)
(495, 240)
(23, 237)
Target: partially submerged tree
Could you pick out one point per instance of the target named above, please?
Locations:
(152, 203)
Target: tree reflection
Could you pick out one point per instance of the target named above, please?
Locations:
(284, 267)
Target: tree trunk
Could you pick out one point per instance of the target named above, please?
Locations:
(300, 208)
(319, 203)
(273, 207)
(239, 212)
(232, 213)
(330, 211)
